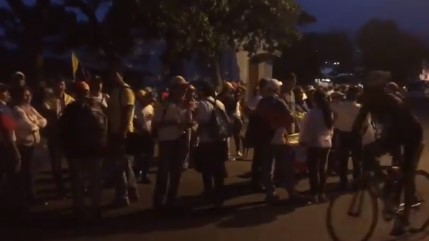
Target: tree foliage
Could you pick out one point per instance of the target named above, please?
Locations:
(34, 28)
(384, 46)
(188, 27)
(208, 26)
(305, 57)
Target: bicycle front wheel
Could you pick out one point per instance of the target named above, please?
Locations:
(352, 216)
(419, 216)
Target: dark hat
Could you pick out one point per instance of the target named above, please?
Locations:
(206, 87)
(4, 87)
(178, 81)
(378, 78)
(352, 93)
(97, 79)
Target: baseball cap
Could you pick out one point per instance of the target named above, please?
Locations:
(18, 75)
(141, 93)
(97, 79)
(3, 87)
(228, 86)
(392, 86)
(178, 81)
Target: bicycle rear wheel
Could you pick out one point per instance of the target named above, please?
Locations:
(353, 216)
(419, 217)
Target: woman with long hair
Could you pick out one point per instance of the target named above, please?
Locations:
(316, 135)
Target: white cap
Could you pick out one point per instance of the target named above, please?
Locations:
(18, 75)
(273, 84)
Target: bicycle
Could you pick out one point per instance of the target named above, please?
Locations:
(378, 184)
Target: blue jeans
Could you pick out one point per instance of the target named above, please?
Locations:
(125, 180)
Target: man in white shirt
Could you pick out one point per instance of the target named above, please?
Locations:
(211, 151)
(169, 123)
(97, 92)
(345, 113)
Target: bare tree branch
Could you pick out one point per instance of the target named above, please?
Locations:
(18, 8)
(44, 3)
(85, 9)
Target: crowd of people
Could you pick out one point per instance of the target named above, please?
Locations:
(96, 133)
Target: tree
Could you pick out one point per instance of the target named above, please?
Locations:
(306, 56)
(207, 27)
(112, 35)
(201, 28)
(384, 46)
(29, 27)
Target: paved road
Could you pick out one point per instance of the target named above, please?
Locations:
(245, 217)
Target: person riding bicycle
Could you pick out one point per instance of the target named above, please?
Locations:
(400, 128)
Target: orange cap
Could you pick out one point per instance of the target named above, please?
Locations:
(82, 85)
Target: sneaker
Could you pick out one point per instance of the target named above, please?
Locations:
(120, 203)
(218, 203)
(322, 198)
(145, 180)
(314, 199)
(415, 204)
(331, 172)
(246, 175)
(387, 215)
(343, 187)
(256, 187)
(239, 155)
(296, 197)
(207, 195)
(133, 196)
(95, 215)
(271, 198)
(158, 206)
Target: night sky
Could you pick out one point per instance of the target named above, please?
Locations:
(349, 15)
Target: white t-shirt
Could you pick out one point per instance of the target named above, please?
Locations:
(102, 99)
(345, 114)
(169, 112)
(314, 131)
(29, 123)
(204, 112)
(144, 116)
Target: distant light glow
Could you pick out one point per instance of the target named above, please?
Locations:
(323, 80)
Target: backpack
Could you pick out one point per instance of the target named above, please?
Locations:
(84, 128)
(220, 125)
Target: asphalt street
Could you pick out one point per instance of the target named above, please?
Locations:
(244, 217)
